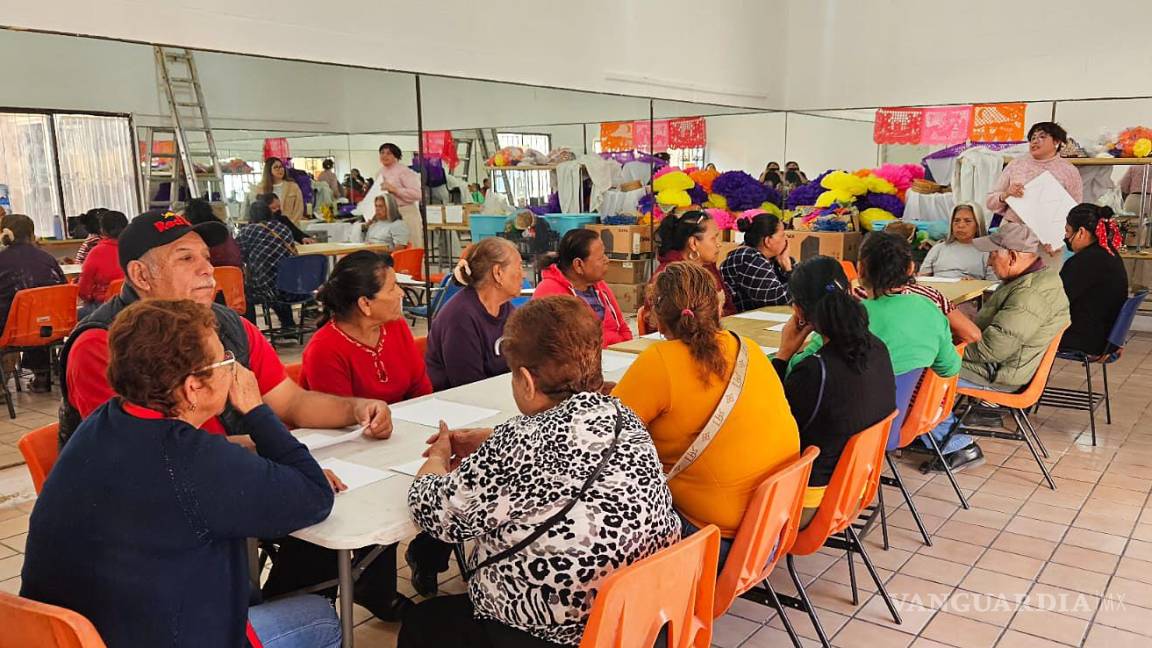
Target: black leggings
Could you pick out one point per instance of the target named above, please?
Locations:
(450, 622)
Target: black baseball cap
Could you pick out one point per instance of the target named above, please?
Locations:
(156, 229)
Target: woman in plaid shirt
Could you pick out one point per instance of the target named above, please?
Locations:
(264, 242)
(758, 271)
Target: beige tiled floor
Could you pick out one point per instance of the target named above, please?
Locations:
(1024, 567)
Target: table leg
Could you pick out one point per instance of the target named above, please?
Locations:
(344, 565)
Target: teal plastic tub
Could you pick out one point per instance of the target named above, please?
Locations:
(485, 226)
(561, 223)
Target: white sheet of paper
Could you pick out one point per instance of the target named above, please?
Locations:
(765, 317)
(454, 213)
(769, 350)
(1044, 207)
(938, 279)
(354, 475)
(410, 468)
(778, 328)
(433, 410)
(315, 439)
(610, 361)
(435, 214)
(653, 336)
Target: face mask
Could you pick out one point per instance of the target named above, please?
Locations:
(1068, 244)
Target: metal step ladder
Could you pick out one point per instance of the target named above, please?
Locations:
(486, 153)
(194, 166)
(464, 150)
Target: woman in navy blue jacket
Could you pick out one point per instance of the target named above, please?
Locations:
(142, 523)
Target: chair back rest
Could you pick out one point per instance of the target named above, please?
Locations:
(230, 281)
(40, 316)
(1031, 394)
(409, 261)
(935, 396)
(1118, 337)
(675, 586)
(642, 321)
(32, 623)
(115, 288)
(906, 386)
(853, 486)
(769, 525)
(850, 270)
(448, 290)
(40, 448)
(301, 275)
(293, 371)
(422, 345)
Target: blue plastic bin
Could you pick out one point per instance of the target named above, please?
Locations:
(561, 223)
(485, 226)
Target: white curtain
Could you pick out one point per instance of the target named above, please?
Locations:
(96, 164)
(28, 170)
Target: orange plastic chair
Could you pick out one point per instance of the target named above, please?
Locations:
(40, 448)
(230, 281)
(675, 586)
(31, 623)
(642, 321)
(38, 318)
(409, 262)
(115, 288)
(1018, 404)
(850, 270)
(293, 370)
(766, 533)
(422, 345)
(853, 486)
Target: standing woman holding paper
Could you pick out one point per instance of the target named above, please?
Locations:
(1045, 139)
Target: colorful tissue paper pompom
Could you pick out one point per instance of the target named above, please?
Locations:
(900, 175)
(724, 219)
(835, 196)
(805, 194)
(876, 184)
(673, 198)
(698, 195)
(873, 214)
(664, 170)
(704, 177)
(774, 196)
(718, 201)
(740, 190)
(673, 180)
(1142, 147)
(887, 202)
(769, 208)
(499, 160)
(844, 183)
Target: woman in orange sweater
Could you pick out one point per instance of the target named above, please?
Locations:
(675, 387)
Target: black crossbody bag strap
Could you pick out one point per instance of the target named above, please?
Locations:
(552, 520)
(820, 395)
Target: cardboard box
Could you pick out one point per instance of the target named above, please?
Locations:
(627, 272)
(624, 239)
(844, 246)
(629, 296)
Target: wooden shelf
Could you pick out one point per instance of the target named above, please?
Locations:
(1110, 161)
(523, 167)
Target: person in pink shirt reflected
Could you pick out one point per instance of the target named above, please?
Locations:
(1045, 139)
(404, 185)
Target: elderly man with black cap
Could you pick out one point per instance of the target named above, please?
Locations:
(1017, 324)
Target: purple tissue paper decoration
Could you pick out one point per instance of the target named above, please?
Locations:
(887, 202)
(646, 203)
(553, 203)
(698, 195)
(741, 190)
(806, 194)
(773, 196)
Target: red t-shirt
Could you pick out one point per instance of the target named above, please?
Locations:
(88, 370)
(394, 371)
(101, 268)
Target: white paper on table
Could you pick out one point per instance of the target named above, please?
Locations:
(1044, 208)
(410, 468)
(654, 336)
(454, 213)
(769, 350)
(610, 362)
(779, 328)
(431, 411)
(315, 439)
(354, 475)
(435, 214)
(765, 317)
(939, 279)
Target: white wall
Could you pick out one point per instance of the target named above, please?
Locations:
(600, 45)
(745, 142)
(818, 144)
(847, 53)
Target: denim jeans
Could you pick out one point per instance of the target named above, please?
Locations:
(687, 529)
(959, 441)
(307, 621)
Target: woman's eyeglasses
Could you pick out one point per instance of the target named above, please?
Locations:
(229, 359)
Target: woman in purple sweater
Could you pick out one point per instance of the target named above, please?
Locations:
(462, 341)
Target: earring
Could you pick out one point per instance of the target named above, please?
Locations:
(693, 255)
(192, 406)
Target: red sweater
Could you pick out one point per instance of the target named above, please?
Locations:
(553, 282)
(101, 268)
(334, 363)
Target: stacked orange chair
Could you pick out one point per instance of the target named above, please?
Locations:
(40, 448)
(29, 623)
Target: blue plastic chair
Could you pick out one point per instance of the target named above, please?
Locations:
(297, 278)
(440, 296)
(1089, 400)
(517, 302)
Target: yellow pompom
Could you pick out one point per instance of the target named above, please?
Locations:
(1142, 147)
(499, 160)
(673, 197)
(718, 201)
(873, 214)
(876, 184)
(834, 196)
(844, 182)
(674, 180)
(772, 209)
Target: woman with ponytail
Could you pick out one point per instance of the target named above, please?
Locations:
(757, 272)
(24, 264)
(462, 340)
(851, 361)
(676, 388)
(1094, 278)
(692, 236)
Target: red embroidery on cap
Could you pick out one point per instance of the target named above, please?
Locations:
(170, 221)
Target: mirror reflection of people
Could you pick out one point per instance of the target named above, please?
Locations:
(404, 185)
(226, 253)
(771, 176)
(387, 226)
(23, 265)
(328, 176)
(356, 186)
(793, 176)
(277, 181)
(273, 202)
